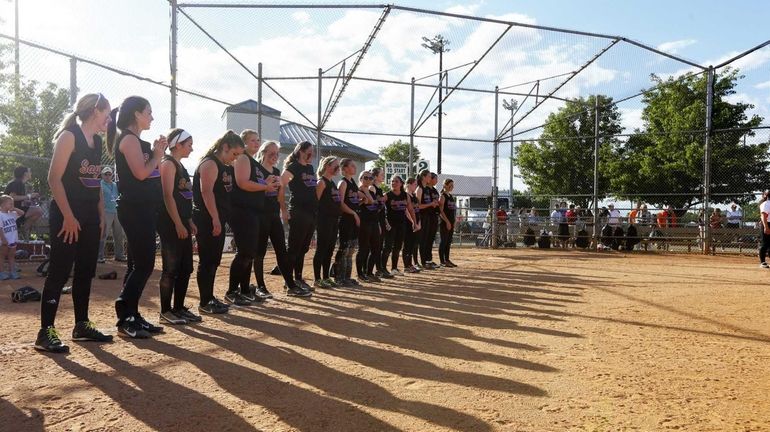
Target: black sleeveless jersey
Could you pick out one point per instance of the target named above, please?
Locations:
(272, 206)
(329, 204)
(427, 198)
(396, 206)
(379, 196)
(247, 199)
(183, 194)
(351, 195)
(434, 197)
(81, 175)
(302, 187)
(222, 188)
(450, 207)
(369, 212)
(132, 189)
(415, 205)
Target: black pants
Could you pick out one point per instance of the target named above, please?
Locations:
(301, 228)
(429, 227)
(445, 243)
(271, 226)
(139, 221)
(245, 225)
(394, 240)
(411, 242)
(63, 256)
(177, 257)
(326, 239)
(343, 262)
(764, 245)
(209, 255)
(368, 238)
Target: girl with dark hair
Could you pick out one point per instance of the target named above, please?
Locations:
(299, 175)
(141, 197)
(412, 236)
(328, 220)
(376, 258)
(348, 225)
(448, 208)
(398, 206)
(271, 225)
(176, 229)
(368, 231)
(212, 184)
(76, 219)
(427, 205)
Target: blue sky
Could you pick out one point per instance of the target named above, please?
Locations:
(133, 34)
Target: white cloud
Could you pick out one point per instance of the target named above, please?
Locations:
(301, 17)
(764, 85)
(673, 47)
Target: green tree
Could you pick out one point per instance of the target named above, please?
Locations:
(28, 121)
(666, 157)
(561, 161)
(397, 151)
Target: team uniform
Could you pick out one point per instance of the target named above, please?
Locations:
(138, 206)
(210, 246)
(764, 244)
(244, 221)
(303, 208)
(396, 208)
(450, 209)
(177, 254)
(375, 254)
(412, 238)
(326, 233)
(348, 234)
(427, 218)
(83, 190)
(367, 237)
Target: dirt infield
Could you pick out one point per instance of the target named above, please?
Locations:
(519, 340)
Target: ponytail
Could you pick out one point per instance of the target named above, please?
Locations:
(230, 138)
(124, 117)
(445, 184)
(325, 162)
(112, 131)
(84, 109)
(294, 156)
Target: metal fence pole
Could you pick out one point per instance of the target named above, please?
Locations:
(409, 166)
(493, 242)
(596, 172)
(707, 160)
(73, 81)
(173, 4)
(510, 167)
(259, 101)
(318, 125)
(16, 53)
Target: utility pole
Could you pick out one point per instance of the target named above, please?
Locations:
(512, 106)
(438, 45)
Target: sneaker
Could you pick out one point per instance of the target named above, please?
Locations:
(373, 278)
(331, 282)
(396, 272)
(321, 283)
(130, 327)
(213, 307)
(384, 275)
(364, 278)
(263, 292)
(352, 282)
(148, 326)
(87, 331)
(237, 299)
(5, 276)
(297, 291)
(417, 267)
(187, 315)
(221, 303)
(172, 318)
(411, 269)
(251, 296)
(761, 265)
(450, 264)
(67, 290)
(14, 275)
(48, 340)
(302, 284)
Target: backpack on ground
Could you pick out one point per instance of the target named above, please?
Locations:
(632, 237)
(529, 237)
(606, 236)
(617, 237)
(544, 242)
(582, 239)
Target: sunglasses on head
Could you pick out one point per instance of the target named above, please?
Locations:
(368, 177)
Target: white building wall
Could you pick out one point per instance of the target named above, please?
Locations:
(240, 121)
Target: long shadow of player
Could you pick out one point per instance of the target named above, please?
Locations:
(15, 419)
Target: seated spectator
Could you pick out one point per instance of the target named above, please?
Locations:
(634, 213)
(667, 217)
(26, 202)
(644, 217)
(571, 215)
(715, 221)
(734, 216)
(532, 217)
(613, 218)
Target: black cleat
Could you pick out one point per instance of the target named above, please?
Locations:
(87, 331)
(237, 299)
(297, 291)
(130, 327)
(48, 340)
(213, 307)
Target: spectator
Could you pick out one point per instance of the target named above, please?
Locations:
(25, 201)
(8, 236)
(632, 215)
(715, 221)
(734, 216)
(571, 215)
(613, 218)
(532, 217)
(644, 217)
(667, 217)
(111, 223)
(603, 215)
(502, 226)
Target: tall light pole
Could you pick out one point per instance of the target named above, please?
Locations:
(512, 106)
(439, 46)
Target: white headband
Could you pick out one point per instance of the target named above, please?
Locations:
(184, 135)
